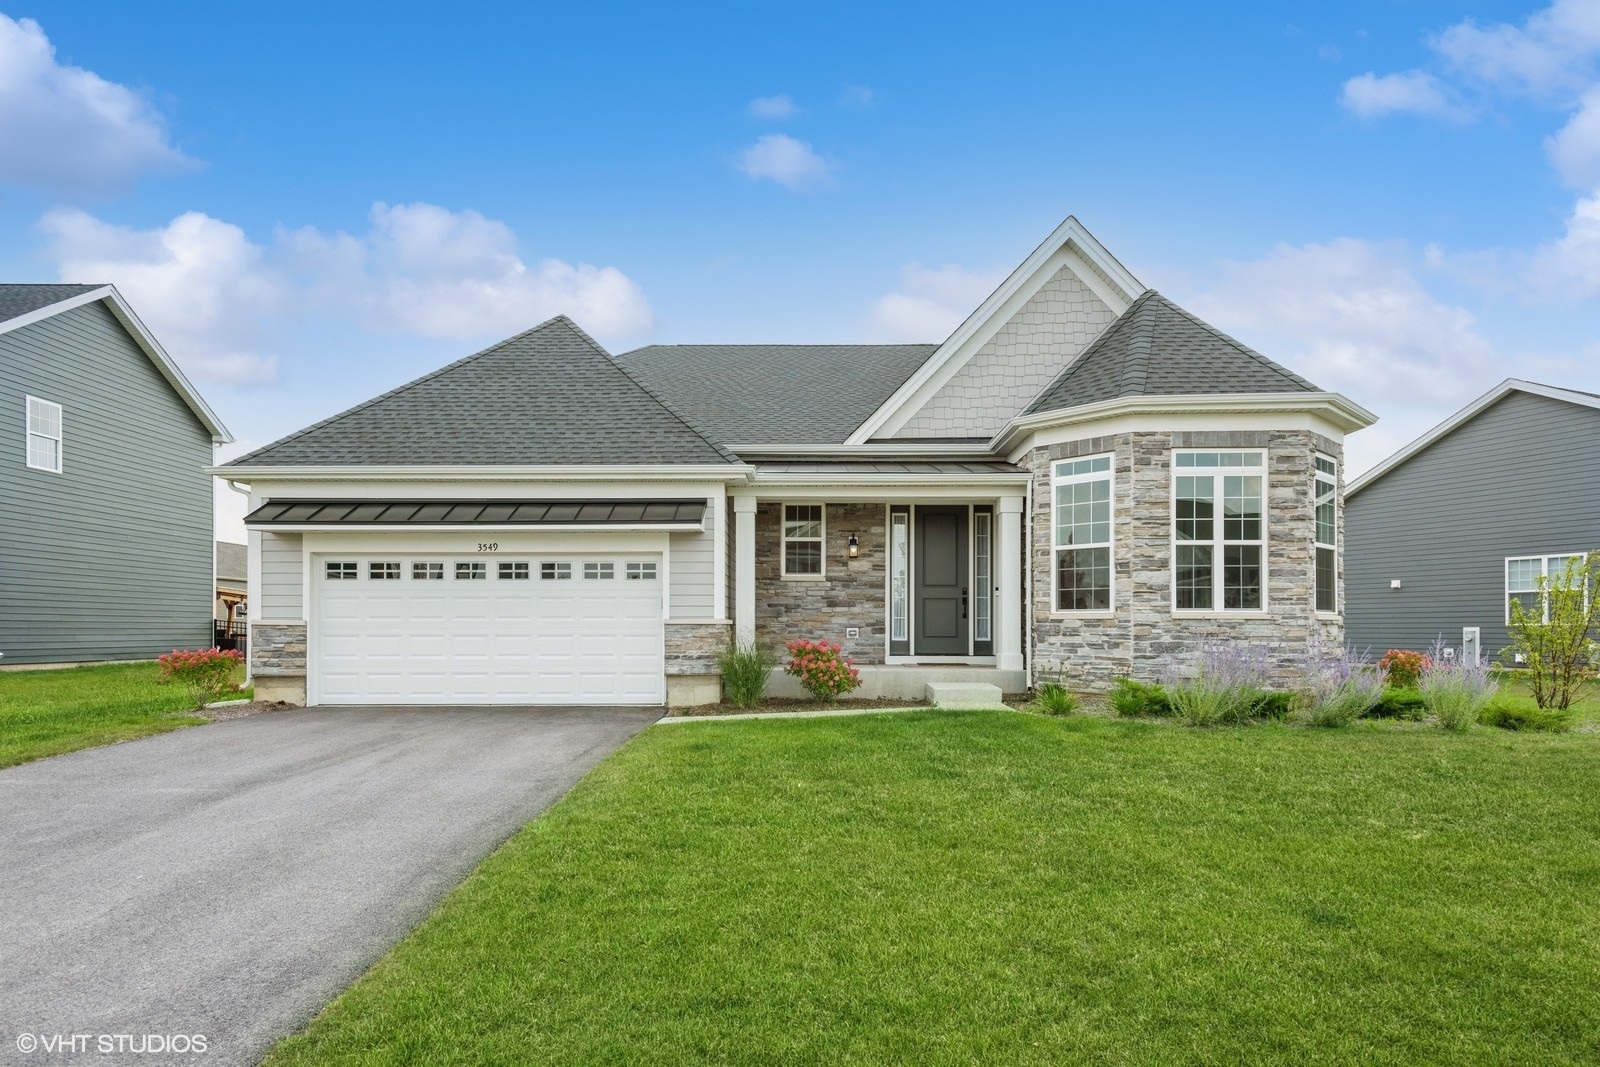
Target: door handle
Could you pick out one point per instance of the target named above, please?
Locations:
(963, 602)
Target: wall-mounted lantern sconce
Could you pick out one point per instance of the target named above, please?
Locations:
(1394, 583)
(855, 546)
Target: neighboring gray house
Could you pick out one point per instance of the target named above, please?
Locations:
(1082, 477)
(105, 503)
(1445, 533)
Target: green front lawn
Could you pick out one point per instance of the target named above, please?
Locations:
(997, 888)
(46, 713)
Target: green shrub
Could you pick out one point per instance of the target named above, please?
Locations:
(1514, 715)
(822, 668)
(1133, 698)
(745, 669)
(1053, 698)
(1396, 703)
(1272, 706)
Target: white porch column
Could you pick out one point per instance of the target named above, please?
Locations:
(1008, 575)
(744, 569)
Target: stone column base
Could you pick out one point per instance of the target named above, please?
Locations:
(290, 688)
(692, 690)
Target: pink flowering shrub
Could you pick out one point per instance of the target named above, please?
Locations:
(821, 669)
(206, 672)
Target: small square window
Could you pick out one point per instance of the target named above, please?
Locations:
(342, 571)
(513, 572)
(599, 571)
(472, 572)
(379, 571)
(555, 572)
(641, 572)
(427, 572)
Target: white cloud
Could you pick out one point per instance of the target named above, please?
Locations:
(1553, 50)
(857, 96)
(1569, 267)
(1575, 148)
(214, 297)
(200, 284)
(793, 164)
(1352, 317)
(773, 108)
(1416, 92)
(69, 130)
(930, 302)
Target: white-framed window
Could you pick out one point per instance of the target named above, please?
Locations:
(474, 571)
(44, 435)
(1219, 531)
(511, 571)
(427, 572)
(339, 570)
(641, 572)
(1522, 581)
(899, 576)
(1325, 574)
(1081, 491)
(555, 572)
(383, 571)
(803, 530)
(599, 571)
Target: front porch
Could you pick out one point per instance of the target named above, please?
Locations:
(917, 583)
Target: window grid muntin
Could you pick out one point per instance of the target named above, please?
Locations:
(1219, 553)
(513, 570)
(44, 435)
(1082, 505)
(554, 571)
(472, 571)
(804, 529)
(383, 570)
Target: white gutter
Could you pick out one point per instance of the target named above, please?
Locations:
(418, 527)
(724, 472)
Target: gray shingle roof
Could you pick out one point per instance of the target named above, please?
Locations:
(19, 299)
(1156, 348)
(776, 394)
(232, 561)
(550, 395)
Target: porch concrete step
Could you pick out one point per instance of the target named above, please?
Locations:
(970, 696)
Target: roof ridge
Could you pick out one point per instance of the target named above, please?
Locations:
(784, 344)
(347, 412)
(1141, 343)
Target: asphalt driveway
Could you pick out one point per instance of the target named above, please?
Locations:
(228, 880)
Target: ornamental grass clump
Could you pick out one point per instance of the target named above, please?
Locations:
(1342, 688)
(1455, 692)
(207, 673)
(1228, 685)
(745, 668)
(825, 672)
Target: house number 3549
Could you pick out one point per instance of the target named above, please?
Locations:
(488, 546)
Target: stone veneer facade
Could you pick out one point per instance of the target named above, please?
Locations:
(850, 593)
(1142, 637)
(693, 647)
(278, 660)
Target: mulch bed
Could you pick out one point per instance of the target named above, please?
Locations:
(794, 704)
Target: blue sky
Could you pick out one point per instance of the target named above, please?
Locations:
(311, 204)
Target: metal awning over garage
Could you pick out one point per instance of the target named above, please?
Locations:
(338, 514)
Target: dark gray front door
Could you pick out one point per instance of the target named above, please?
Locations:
(941, 582)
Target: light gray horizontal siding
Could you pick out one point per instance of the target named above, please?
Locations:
(692, 575)
(1521, 479)
(282, 593)
(112, 558)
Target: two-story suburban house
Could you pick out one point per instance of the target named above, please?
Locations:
(105, 503)
(1514, 477)
(1084, 477)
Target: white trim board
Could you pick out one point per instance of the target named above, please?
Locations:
(1466, 414)
(1068, 245)
(144, 339)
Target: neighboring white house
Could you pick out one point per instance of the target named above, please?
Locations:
(1082, 478)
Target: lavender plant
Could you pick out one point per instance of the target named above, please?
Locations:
(1341, 687)
(1454, 691)
(1226, 685)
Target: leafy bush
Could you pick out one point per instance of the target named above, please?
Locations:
(1342, 688)
(825, 673)
(1398, 704)
(1129, 697)
(207, 673)
(1512, 715)
(1271, 705)
(1053, 698)
(1455, 692)
(1402, 668)
(1228, 685)
(745, 669)
(1558, 652)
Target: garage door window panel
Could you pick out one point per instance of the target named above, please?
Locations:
(383, 571)
(603, 572)
(555, 572)
(513, 572)
(472, 572)
(341, 571)
(427, 572)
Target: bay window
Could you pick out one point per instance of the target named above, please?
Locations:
(1082, 537)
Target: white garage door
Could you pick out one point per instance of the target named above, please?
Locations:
(497, 630)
